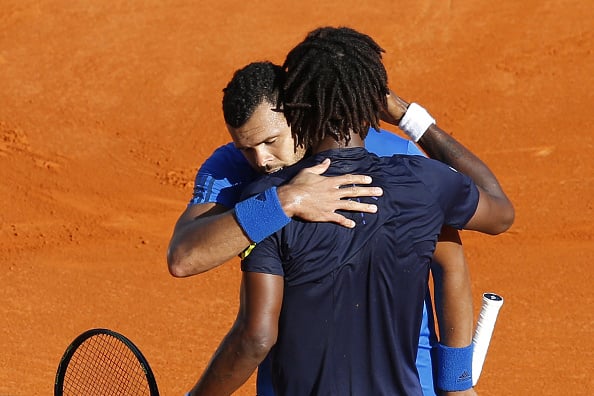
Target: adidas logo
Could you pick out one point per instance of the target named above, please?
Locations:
(465, 376)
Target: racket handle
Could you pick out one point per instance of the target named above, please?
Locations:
(484, 330)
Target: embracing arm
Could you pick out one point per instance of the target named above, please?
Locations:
(207, 235)
(495, 212)
(250, 339)
(453, 295)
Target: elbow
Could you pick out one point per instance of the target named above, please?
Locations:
(177, 271)
(506, 220)
(175, 268)
(258, 344)
(259, 335)
(510, 218)
(179, 265)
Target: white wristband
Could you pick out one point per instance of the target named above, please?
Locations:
(415, 121)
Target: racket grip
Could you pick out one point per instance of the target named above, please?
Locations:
(484, 330)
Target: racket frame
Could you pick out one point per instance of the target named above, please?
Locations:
(79, 340)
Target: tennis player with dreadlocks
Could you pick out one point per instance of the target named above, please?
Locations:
(351, 298)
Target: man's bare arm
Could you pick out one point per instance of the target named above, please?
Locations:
(495, 212)
(205, 236)
(249, 340)
(453, 295)
(208, 235)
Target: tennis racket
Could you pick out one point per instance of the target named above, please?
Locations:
(102, 362)
(484, 331)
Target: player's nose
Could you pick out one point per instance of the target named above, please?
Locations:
(262, 158)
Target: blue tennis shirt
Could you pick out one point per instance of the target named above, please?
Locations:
(353, 298)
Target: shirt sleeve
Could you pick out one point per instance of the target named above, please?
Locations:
(385, 144)
(413, 149)
(455, 192)
(264, 258)
(222, 177)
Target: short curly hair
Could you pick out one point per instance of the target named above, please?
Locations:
(249, 87)
(336, 84)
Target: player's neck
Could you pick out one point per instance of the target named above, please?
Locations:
(330, 143)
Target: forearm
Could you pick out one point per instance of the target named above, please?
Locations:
(494, 213)
(205, 243)
(231, 366)
(453, 302)
(453, 290)
(250, 339)
(207, 235)
(441, 146)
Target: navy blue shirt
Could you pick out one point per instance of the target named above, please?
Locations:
(353, 298)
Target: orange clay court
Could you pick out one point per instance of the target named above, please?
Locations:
(107, 108)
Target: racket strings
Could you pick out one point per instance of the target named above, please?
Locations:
(104, 365)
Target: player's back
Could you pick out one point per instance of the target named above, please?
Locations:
(353, 299)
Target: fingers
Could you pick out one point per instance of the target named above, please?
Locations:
(350, 179)
(352, 206)
(338, 180)
(319, 168)
(314, 197)
(360, 191)
(395, 108)
(355, 206)
(341, 220)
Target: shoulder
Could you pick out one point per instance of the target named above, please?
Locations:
(222, 176)
(429, 172)
(385, 143)
(424, 167)
(227, 162)
(224, 155)
(439, 178)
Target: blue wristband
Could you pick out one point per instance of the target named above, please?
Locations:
(454, 368)
(261, 215)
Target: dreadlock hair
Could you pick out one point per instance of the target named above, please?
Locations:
(336, 83)
(249, 87)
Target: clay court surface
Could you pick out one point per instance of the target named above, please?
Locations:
(108, 107)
